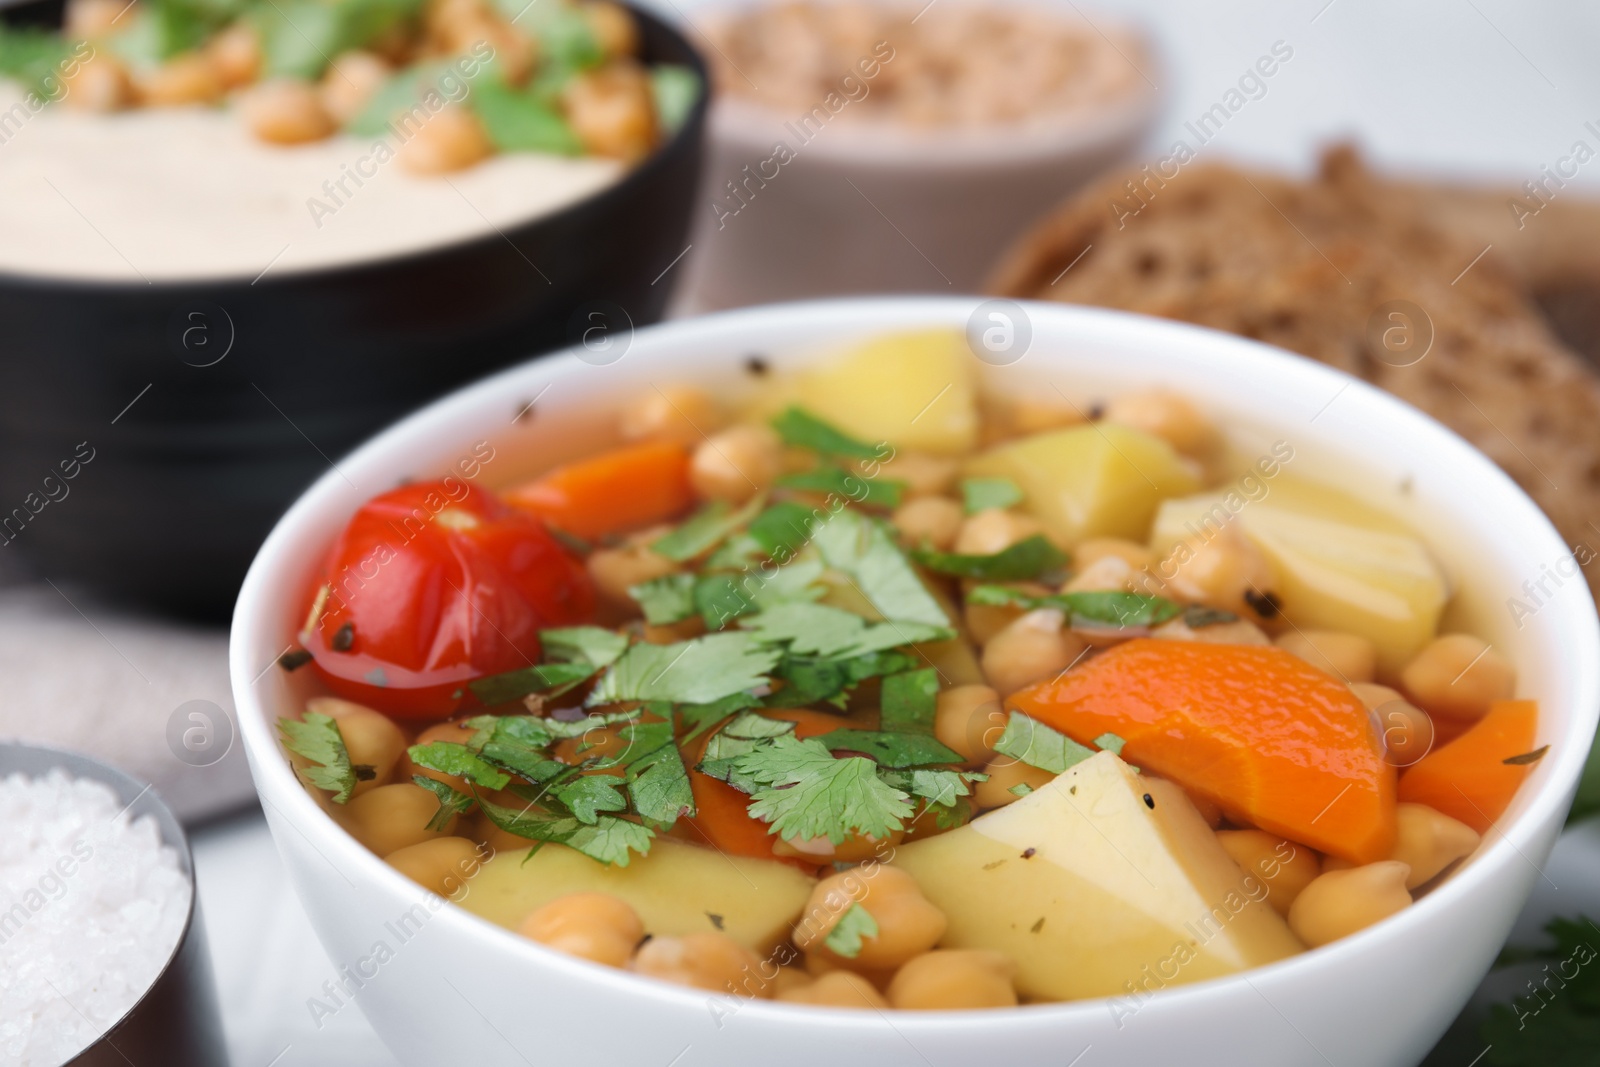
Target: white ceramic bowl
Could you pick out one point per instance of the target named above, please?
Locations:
(443, 986)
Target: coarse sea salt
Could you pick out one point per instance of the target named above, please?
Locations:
(91, 906)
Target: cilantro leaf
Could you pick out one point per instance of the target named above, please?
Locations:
(1038, 745)
(517, 120)
(722, 598)
(700, 717)
(783, 529)
(1110, 743)
(820, 630)
(981, 494)
(1028, 558)
(689, 672)
(583, 644)
(863, 550)
(890, 749)
(854, 925)
(610, 840)
(665, 600)
(316, 738)
(740, 737)
(1096, 609)
(587, 795)
(910, 701)
(802, 429)
(675, 90)
(941, 787)
(460, 762)
(805, 793)
(836, 481)
(504, 688)
(452, 801)
(658, 782)
(810, 680)
(518, 743)
(706, 529)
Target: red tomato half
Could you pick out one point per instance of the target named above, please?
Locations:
(434, 585)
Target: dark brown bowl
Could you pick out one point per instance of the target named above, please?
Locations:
(189, 462)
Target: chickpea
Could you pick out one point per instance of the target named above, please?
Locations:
(370, 737)
(1224, 570)
(1167, 415)
(612, 26)
(737, 463)
(235, 54)
(1110, 573)
(1348, 657)
(1406, 730)
(680, 413)
(616, 570)
(189, 78)
(1005, 417)
(351, 82)
(836, 989)
(456, 732)
(706, 960)
(443, 865)
(451, 140)
(1006, 774)
(1430, 841)
(1095, 549)
(597, 927)
(1238, 632)
(787, 980)
(954, 979)
(1283, 867)
(612, 111)
(853, 849)
(92, 18)
(995, 530)
(393, 817)
(1031, 649)
(908, 923)
(1338, 903)
(286, 111)
(99, 84)
(984, 621)
(1457, 677)
(934, 520)
(923, 475)
(969, 720)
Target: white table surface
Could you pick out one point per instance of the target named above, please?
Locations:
(1488, 88)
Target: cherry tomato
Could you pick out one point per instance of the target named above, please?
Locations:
(434, 585)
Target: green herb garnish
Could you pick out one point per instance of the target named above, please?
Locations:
(458, 761)
(700, 671)
(863, 550)
(519, 121)
(706, 529)
(452, 801)
(802, 429)
(1028, 558)
(854, 925)
(1038, 745)
(665, 600)
(981, 494)
(1090, 609)
(316, 738)
(909, 703)
(805, 793)
(820, 630)
(838, 482)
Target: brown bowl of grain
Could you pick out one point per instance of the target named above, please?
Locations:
(879, 147)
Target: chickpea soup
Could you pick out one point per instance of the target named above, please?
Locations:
(168, 139)
(839, 697)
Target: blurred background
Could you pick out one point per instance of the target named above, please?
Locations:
(959, 164)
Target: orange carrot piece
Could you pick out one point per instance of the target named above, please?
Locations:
(1468, 779)
(1272, 741)
(615, 491)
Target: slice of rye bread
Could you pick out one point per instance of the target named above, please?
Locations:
(1306, 264)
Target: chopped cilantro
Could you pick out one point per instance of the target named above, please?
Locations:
(721, 598)
(836, 481)
(783, 529)
(854, 925)
(1028, 558)
(805, 793)
(890, 749)
(740, 737)
(820, 630)
(812, 680)
(802, 429)
(1038, 745)
(941, 787)
(706, 529)
(909, 702)
(658, 782)
(452, 801)
(316, 738)
(586, 796)
(689, 672)
(1021, 789)
(610, 839)
(583, 644)
(701, 717)
(458, 761)
(665, 600)
(514, 685)
(1097, 609)
(981, 494)
(1110, 743)
(863, 550)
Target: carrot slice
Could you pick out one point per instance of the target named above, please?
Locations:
(1271, 740)
(722, 818)
(615, 491)
(1468, 779)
